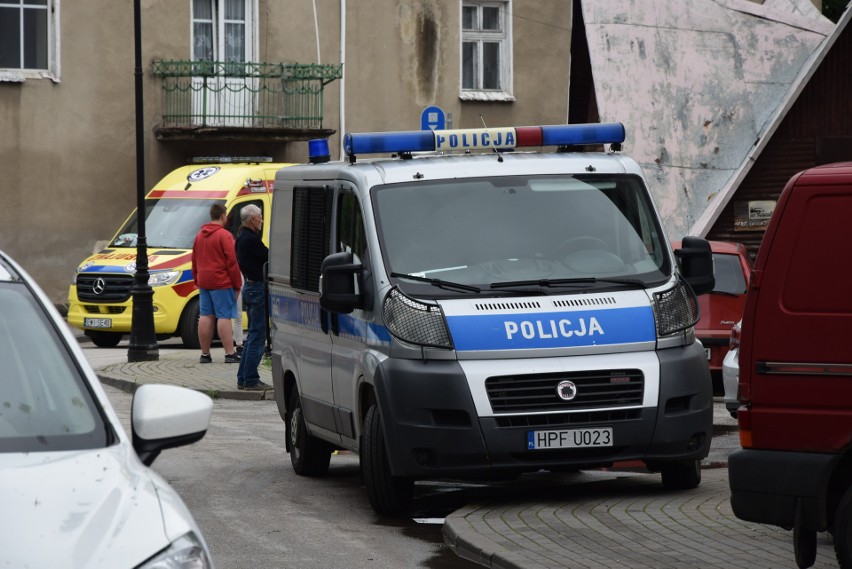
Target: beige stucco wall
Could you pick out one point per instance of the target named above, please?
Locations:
(67, 150)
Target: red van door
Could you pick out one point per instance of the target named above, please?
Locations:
(796, 353)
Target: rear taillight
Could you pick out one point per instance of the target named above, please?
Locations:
(734, 341)
(744, 421)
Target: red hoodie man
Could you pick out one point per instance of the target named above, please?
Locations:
(217, 276)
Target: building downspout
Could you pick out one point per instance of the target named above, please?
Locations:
(342, 130)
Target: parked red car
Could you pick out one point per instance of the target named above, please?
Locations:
(723, 307)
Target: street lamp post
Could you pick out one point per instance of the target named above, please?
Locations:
(143, 341)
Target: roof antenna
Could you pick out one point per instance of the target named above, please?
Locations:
(497, 152)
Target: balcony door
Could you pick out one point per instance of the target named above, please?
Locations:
(223, 31)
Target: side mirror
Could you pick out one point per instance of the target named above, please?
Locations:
(338, 276)
(696, 264)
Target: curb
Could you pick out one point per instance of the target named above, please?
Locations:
(131, 387)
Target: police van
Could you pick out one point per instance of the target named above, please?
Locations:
(99, 299)
(468, 309)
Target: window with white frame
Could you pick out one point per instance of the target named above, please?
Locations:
(222, 30)
(28, 37)
(486, 50)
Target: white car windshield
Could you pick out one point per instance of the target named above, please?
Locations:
(495, 232)
(44, 402)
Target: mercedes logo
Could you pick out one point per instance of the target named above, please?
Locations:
(566, 390)
(99, 286)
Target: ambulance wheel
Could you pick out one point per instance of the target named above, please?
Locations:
(309, 455)
(188, 326)
(843, 531)
(684, 475)
(388, 494)
(104, 339)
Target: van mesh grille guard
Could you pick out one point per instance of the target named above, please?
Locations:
(675, 309)
(415, 322)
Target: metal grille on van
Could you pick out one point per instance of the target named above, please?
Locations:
(594, 389)
(103, 287)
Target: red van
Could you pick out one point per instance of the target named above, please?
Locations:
(723, 307)
(795, 376)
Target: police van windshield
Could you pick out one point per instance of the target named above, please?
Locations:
(169, 223)
(589, 230)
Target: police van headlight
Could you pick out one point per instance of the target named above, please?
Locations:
(675, 310)
(163, 278)
(415, 322)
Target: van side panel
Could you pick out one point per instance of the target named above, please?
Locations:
(800, 324)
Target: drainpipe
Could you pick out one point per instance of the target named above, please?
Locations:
(342, 131)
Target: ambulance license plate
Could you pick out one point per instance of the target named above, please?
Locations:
(97, 322)
(573, 438)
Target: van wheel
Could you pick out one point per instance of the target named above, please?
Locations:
(188, 326)
(684, 475)
(843, 531)
(389, 495)
(309, 455)
(104, 339)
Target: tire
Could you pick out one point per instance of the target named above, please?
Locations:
(684, 475)
(104, 339)
(308, 455)
(843, 531)
(188, 327)
(389, 495)
(804, 546)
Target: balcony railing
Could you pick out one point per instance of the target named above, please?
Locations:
(243, 95)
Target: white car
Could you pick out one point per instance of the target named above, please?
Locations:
(75, 489)
(731, 370)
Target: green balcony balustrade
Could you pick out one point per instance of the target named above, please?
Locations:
(243, 95)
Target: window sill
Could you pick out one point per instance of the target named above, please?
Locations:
(496, 96)
(21, 75)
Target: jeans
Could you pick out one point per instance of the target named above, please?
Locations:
(255, 342)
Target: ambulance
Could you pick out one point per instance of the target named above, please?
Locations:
(99, 299)
(483, 303)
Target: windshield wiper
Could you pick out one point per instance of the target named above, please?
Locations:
(568, 282)
(438, 282)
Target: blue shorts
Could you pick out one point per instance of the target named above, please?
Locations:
(221, 303)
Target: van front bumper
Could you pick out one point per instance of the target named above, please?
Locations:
(772, 487)
(167, 308)
(432, 429)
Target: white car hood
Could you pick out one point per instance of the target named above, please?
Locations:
(93, 509)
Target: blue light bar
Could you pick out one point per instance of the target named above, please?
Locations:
(503, 138)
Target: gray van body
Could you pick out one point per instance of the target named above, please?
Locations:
(544, 372)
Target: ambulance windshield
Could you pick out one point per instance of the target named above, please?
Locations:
(169, 223)
(582, 230)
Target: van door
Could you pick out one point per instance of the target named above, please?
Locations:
(308, 324)
(801, 322)
(348, 331)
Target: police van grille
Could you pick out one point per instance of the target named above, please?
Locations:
(507, 305)
(598, 388)
(599, 301)
(569, 419)
(116, 287)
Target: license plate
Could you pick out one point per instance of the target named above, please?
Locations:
(572, 438)
(97, 322)
(707, 353)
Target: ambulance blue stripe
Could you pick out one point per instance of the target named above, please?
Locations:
(552, 329)
(105, 269)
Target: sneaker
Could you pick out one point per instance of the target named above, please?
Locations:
(239, 350)
(232, 358)
(259, 386)
(205, 359)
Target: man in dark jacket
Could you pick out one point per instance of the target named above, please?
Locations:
(252, 255)
(217, 276)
